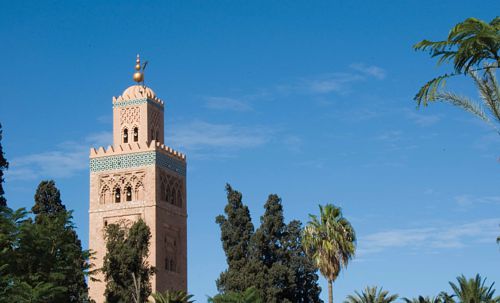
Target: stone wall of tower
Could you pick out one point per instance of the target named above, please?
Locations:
(138, 109)
(151, 180)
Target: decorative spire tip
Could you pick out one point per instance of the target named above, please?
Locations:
(138, 75)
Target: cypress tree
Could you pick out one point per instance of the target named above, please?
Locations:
(125, 268)
(4, 165)
(236, 233)
(287, 274)
(274, 275)
(305, 286)
(271, 259)
(47, 199)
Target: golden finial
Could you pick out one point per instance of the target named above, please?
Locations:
(138, 75)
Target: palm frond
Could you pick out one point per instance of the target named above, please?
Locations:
(429, 91)
(465, 103)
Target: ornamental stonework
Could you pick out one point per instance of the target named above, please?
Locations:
(128, 185)
(130, 115)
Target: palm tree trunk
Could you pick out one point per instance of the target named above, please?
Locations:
(330, 291)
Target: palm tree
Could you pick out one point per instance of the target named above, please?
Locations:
(473, 290)
(172, 297)
(372, 295)
(488, 109)
(250, 295)
(330, 241)
(441, 298)
(470, 44)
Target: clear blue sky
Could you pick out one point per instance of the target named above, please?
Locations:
(307, 99)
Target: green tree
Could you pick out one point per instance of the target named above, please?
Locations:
(169, 296)
(441, 298)
(10, 222)
(285, 274)
(49, 252)
(330, 241)
(53, 246)
(371, 295)
(47, 200)
(250, 295)
(473, 290)
(236, 233)
(3, 166)
(267, 250)
(305, 287)
(473, 46)
(125, 264)
(271, 259)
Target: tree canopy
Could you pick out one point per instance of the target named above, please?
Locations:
(126, 270)
(271, 259)
(3, 166)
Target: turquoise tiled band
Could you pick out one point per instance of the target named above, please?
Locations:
(137, 102)
(137, 160)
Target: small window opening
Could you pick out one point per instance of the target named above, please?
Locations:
(106, 223)
(136, 134)
(129, 193)
(117, 195)
(125, 135)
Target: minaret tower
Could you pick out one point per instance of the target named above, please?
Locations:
(139, 177)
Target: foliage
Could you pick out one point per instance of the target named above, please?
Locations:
(441, 298)
(330, 241)
(305, 287)
(470, 44)
(250, 295)
(371, 295)
(285, 273)
(172, 297)
(125, 262)
(3, 166)
(42, 261)
(473, 290)
(236, 232)
(47, 199)
(271, 259)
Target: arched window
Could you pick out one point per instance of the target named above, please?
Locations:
(125, 135)
(179, 198)
(152, 135)
(167, 264)
(171, 196)
(105, 195)
(162, 191)
(172, 265)
(136, 134)
(117, 195)
(129, 193)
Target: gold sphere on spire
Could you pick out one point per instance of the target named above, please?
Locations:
(138, 75)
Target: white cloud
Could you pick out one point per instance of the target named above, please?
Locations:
(67, 159)
(466, 201)
(200, 135)
(338, 82)
(422, 120)
(369, 70)
(431, 238)
(389, 136)
(223, 103)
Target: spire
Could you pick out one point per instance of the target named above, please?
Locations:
(139, 75)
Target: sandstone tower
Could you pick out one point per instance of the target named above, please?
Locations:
(139, 177)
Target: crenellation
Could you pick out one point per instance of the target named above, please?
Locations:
(135, 147)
